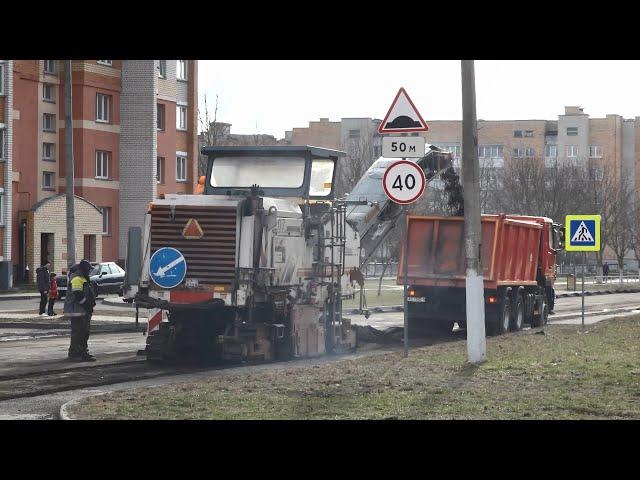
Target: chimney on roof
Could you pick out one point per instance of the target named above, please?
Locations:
(325, 120)
(573, 110)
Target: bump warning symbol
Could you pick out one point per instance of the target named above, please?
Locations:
(403, 116)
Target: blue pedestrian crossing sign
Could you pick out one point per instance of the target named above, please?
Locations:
(167, 267)
(582, 233)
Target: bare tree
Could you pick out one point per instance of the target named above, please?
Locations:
(360, 156)
(617, 228)
(211, 132)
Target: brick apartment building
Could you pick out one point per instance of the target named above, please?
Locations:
(349, 133)
(611, 142)
(135, 137)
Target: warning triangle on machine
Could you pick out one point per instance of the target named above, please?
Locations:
(582, 234)
(403, 116)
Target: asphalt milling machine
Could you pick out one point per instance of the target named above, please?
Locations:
(257, 266)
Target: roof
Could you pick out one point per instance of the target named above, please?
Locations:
(239, 150)
(37, 205)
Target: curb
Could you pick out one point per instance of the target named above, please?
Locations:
(400, 308)
(63, 414)
(571, 316)
(101, 328)
(598, 292)
(24, 296)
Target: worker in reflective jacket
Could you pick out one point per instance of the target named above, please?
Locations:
(78, 308)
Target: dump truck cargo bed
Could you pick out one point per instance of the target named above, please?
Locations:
(509, 253)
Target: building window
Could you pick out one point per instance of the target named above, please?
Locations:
(529, 152)
(596, 174)
(1, 209)
(354, 133)
(48, 92)
(550, 151)
(518, 152)
(181, 117)
(454, 149)
(102, 107)
(595, 151)
(160, 116)
(48, 122)
(572, 151)
(50, 67)
(490, 151)
(1, 77)
(102, 164)
(181, 73)
(572, 131)
(528, 133)
(181, 168)
(108, 63)
(162, 68)
(106, 220)
(48, 180)
(517, 133)
(49, 151)
(160, 170)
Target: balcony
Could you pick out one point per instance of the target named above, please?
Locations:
(491, 162)
(553, 162)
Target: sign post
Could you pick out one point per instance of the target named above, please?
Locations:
(583, 234)
(404, 181)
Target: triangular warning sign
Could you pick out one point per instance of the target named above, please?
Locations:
(403, 116)
(582, 234)
(192, 230)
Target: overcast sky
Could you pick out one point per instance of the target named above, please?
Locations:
(269, 96)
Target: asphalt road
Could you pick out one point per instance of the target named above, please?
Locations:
(29, 353)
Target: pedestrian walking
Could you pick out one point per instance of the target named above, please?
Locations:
(53, 294)
(78, 308)
(42, 277)
(605, 271)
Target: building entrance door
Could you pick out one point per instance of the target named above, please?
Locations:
(90, 248)
(46, 249)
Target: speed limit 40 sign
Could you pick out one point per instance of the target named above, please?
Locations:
(404, 182)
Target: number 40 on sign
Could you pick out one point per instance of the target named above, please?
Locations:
(404, 182)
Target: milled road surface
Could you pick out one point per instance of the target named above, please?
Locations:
(26, 359)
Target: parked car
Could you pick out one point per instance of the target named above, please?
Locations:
(106, 277)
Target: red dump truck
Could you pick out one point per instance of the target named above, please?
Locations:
(518, 256)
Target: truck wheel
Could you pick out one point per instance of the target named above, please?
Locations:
(503, 319)
(545, 314)
(518, 314)
(551, 298)
(542, 316)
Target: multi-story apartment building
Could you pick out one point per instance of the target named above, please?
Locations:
(135, 138)
(610, 143)
(354, 135)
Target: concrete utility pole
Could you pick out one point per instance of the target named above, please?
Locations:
(476, 341)
(68, 150)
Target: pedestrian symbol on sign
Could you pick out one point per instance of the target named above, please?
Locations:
(582, 234)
